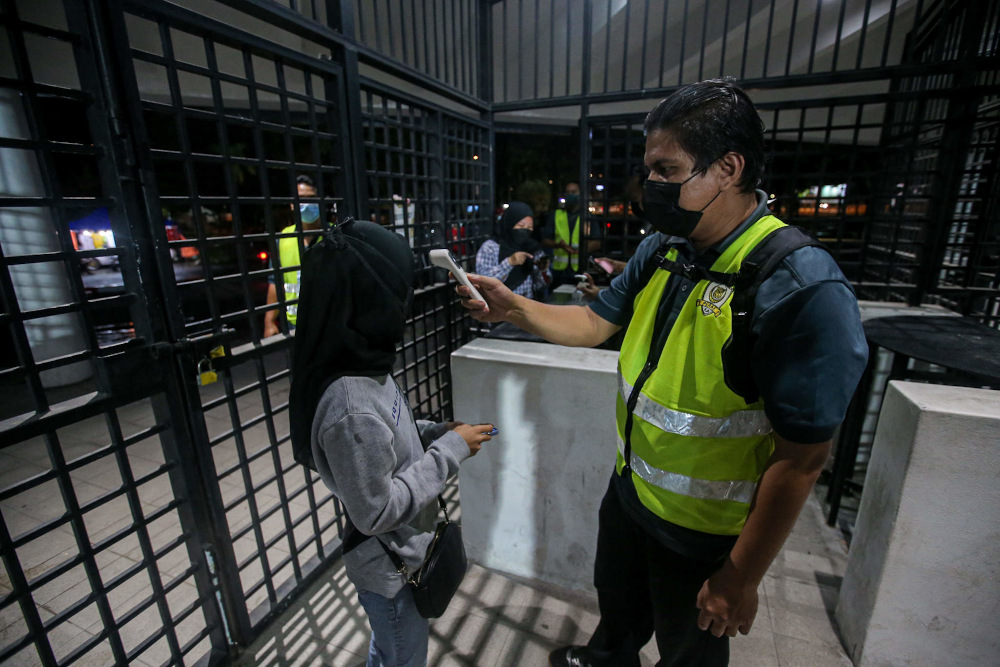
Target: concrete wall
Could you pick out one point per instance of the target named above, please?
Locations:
(921, 582)
(530, 497)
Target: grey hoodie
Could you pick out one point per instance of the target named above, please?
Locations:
(368, 452)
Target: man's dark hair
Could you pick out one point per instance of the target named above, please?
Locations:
(709, 119)
(303, 179)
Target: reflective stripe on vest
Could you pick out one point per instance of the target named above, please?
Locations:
(697, 448)
(288, 255)
(561, 258)
(740, 491)
(740, 424)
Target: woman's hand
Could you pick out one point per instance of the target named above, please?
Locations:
(519, 258)
(475, 435)
(588, 288)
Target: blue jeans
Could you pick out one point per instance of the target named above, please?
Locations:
(399, 632)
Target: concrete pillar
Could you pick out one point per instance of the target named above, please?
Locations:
(921, 582)
(530, 497)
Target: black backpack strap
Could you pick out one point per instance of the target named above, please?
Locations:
(695, 273)
(756, 267)
(650, 267)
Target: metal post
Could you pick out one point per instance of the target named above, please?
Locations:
(485, 90)
(585, 155)
(340, 13)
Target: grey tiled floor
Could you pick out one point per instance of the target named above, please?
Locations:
(500, 620)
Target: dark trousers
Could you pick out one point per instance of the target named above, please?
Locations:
(642, 588)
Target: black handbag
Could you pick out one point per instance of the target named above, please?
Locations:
(439, 576)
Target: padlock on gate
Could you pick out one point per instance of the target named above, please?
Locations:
(206, 374)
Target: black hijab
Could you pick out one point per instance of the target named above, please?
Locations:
(510, 241)
(355, 291)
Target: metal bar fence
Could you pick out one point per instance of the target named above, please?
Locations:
(802, 41)
(173, 491)
(105, 547)
(246, 121)
(859, 172)
(152, 514)
(427, 172)
(443, 44)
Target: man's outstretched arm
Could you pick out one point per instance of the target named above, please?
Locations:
(576, 326)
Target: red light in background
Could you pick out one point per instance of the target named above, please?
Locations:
(609, 225)
(262, 256)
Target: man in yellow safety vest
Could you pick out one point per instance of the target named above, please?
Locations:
(562, 234)
(288, 257)
(716, 451)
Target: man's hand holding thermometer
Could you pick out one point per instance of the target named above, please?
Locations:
(442, 258)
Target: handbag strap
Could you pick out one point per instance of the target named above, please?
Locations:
(394, 557)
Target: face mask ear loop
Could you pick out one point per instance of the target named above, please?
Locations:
(702, 209)
(710, 202)
(693, 174)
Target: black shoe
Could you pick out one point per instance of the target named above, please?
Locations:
(571, 656)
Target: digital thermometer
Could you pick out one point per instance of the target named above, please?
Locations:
(442, 258)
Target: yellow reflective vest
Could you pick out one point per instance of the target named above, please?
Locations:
(697, 449)
(560, 258)
(288, 255)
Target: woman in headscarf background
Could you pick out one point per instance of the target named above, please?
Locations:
(513, 255)
(350, 417)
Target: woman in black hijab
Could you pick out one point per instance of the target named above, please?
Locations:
(514, 256)
(351, 423)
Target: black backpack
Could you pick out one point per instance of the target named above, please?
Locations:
(757, 266)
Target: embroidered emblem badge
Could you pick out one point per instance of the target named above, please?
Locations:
(714, 298)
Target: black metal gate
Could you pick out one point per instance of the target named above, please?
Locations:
(230, 121)
(106, 540)
(151, 510)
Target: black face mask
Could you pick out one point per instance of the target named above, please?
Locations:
(522, 238)
(660, 202)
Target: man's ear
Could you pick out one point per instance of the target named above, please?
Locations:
(730, 168)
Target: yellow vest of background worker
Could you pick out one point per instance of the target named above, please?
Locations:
(698, 450)
(288, 255)
(560, 258)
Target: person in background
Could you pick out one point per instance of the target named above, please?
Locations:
(513, 256)
(288, 256)
(633, 194)
(562, 234)
(708, 480)
(345, 407)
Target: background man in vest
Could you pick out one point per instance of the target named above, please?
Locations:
(706, 485)
(288, 256)
(562, 234)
